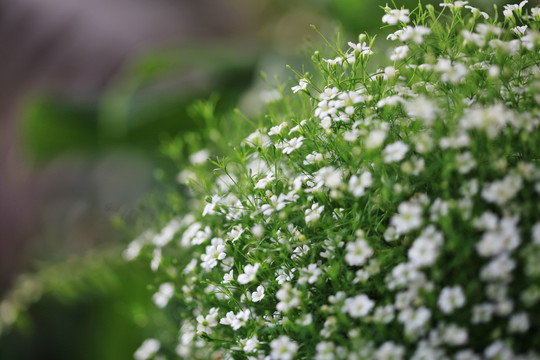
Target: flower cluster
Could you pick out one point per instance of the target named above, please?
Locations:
(385, 215)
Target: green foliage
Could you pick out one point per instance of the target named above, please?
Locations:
(369, 215)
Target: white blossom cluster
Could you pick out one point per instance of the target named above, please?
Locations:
(393, 215)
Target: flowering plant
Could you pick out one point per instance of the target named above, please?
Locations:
(373, 215)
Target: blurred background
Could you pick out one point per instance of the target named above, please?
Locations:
(89, 93)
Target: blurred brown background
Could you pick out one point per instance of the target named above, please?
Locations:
(74, 49)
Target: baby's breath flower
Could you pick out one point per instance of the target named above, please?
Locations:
(276, 130)
(258, 295)
(313, 214)
(395, 152)
(454, 5)
(310, 274)
(358, 306)
(290, 145)
(283, 348)
(393, 16)
(359, 184)
(433, 155)
(476, 12)
(164, 294)
(199, 157)
(509, 10)
(409, 217)
(452, 72)
(148, 348)
(358, 252)
(416, 34)
(249, 274)
(390, 351)
(206, 323)
(361, 48)
(289, 298)
(302, 85)
(400, 53)
(451, 298)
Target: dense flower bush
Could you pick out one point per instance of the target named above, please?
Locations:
(392, 214)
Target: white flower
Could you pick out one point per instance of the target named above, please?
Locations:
(258, 295)
(249, 345)
(250, 271)
(415, 34)
(393, 16)
(347, 100)
(536, 234)
(392, 100)
(395, 152)
(384, 314)
(375, 139)
(482, 313)
(336, 61)
(423, 252)
(329, 93)
(228, 277)
(358, 185)
(409, 217)
(519, 323)
(310, 274)
(229, 319)
(325, 351)
(325, 109)
(454, 335)
(164, 294)
(148, 348)
(466, 355)
(283, 348)
(236, 321)
(358, 306)
(520, 30)
(451, 298)
(455, 5)
(477, 12)
(276, 203)
(210, 207)
(302, 85)
(423, 109)
(452, 72)
(511, 47)
(502, 191)
(157, 256)
(465, 162)
(134, 248)
(289, 298)
(313, 158)
(276, 130)
(283, 275)
(361, 48)
(390, 351)
(199, 157)
(206, 323)
(167, 233)
(329, 176)
(499, 268)
(314, 213)
(508, 11)
(400, 53)
(257, 138)
(414, 320)
(358, 252)
(290, 145)
(214, 252)
(501, 236)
